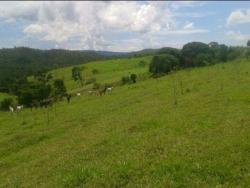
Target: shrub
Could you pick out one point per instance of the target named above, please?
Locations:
(126, 80)
(133, 77)
(5, 103)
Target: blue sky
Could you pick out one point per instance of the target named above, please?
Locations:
(122, 26)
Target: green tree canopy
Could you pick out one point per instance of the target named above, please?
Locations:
(77, 74)
(162, 64)
(60, 89)
(191, 53)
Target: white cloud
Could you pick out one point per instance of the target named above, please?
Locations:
(194, 14)
(87, 24)
(183, 32)
(238, 36)
(33, 29)
(189, 25)
(60, 21)
(181, 4)
(239, 17)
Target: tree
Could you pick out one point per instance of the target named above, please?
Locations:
(40, 76)
(170, 51)
(163, 64)
(77, 74)
(247, 53)
(133, 77)
(213, 44)
(219, 52)
(59, 88)
(49, 77)
(248, 43)
(26, 97)
(235, 52)
(34, 91)
(190, 51)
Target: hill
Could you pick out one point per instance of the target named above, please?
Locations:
(22, 61)
(187, 129)
(108, 71)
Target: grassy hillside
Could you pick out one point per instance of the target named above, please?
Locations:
(154, 133)
(108, 71)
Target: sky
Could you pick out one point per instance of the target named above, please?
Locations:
(122, 25)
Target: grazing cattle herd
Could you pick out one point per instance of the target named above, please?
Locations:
(99, 92)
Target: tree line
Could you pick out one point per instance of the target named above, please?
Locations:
(41, 91)
(195, 54)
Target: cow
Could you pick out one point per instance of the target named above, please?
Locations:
(109, 89)
(11, 108)
(19, 108)
(102, 91)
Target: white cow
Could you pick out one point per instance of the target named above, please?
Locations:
(109, 89)
(19, 108)
(11, 108)
(78, 94)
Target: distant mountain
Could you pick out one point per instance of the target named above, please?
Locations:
(112, 54)
(144, 52)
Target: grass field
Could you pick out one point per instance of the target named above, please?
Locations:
(108, 71)
(187, 129)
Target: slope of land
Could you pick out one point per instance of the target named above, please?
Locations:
(108, 71)
(187, 129)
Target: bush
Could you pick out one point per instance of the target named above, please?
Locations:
(5, 103)
(126, 80)
(163, 64)
(133, 78)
